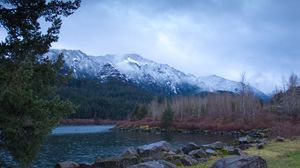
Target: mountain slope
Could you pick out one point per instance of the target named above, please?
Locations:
(144, 73)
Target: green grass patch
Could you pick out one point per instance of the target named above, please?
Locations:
(279, 154)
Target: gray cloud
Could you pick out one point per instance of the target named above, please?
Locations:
(201, 37)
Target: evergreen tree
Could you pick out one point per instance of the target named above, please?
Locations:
(167, 117)
(29, 107)
(139, 112)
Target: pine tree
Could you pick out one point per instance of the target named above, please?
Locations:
(29, 107)
(167, 117)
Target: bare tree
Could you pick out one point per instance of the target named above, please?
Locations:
(291, 99)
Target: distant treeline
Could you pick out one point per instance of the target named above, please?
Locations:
(109, 100)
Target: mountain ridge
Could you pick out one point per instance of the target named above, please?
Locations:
(144, 73)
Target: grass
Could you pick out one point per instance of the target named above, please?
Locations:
(277, 154)
(280, 154)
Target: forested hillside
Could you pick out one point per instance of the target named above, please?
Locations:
(110, 100)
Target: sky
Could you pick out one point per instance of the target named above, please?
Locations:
(203, 37)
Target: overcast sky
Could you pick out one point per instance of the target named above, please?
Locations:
(201, 37)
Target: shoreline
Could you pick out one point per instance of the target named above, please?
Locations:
(156, 129)
(204, 126)
(87, 122)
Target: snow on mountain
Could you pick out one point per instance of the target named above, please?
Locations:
(144, 73)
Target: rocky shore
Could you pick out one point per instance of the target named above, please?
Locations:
(163, 155)
(254, 133)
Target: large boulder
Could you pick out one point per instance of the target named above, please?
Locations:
(215, 145)
(199, 153)
(150, 149)
(189, 147)
(154, 164)
(67, 164)
(230, 150)
(240, 162)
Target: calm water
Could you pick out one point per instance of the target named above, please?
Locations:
(85, 143)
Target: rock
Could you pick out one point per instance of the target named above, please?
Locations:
(279, 139)
(258, 133)
(189, 147)
(183, 159)
(199, 153)
(128, 161)
(210, 152)
(114, 161)
(81, 165)
(154, 164)
(244, 146)
(179, 151)
(130, 152)
(107, 162)
(175, 159)
(67, 164)
(240, 162)
(215, 145)
(161, 155)
(187, 160)
(261, 144)
(244, 140)
(230, 150)
(150, 149)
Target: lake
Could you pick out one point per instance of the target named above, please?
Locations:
(85, 143)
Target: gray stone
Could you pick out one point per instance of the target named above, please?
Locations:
(240, 162)
(244, 146)
(187, 160)
(120, 162)
(181, 159)
(279, 139)
(189, 147)
(82, 165)
(199, 153)
(161, 155)
(150, 149)
(130, 152)
(244, 140)
(215, 145)
(67, 164)
(260, 145)
(230, 150)
(107, 162)
(210, 152)
(154, 164)
(128, 161)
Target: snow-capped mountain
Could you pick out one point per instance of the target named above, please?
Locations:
(144, 73)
